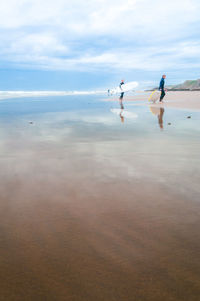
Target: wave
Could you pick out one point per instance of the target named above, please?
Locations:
(14, 94)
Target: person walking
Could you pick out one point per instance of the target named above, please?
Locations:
(162, 87)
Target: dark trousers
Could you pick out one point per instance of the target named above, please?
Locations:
(122, 95)
(162, 95)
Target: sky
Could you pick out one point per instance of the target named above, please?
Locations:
(65, 45)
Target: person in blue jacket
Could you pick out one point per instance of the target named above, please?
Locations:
(162, 87)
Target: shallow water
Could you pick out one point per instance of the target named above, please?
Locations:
(98, 202)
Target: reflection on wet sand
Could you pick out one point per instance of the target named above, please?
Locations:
(88, 218)
(160, 117)
(159, 112)
(122, 107)
(122, 113)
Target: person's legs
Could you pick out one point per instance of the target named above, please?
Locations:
(162, 95)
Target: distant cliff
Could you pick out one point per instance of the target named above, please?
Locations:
(187, 85)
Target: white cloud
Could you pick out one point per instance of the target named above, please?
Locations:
(139, 34)
(36, 44)
(99, 16)
(149, 59)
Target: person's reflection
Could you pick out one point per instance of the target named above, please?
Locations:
(160, 117)
(122, 107)
(159, 112)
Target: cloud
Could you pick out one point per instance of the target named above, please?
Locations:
(148, 59)
(100, 34)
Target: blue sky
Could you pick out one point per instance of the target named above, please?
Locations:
(91, 44)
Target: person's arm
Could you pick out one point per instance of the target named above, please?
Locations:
(161, 87)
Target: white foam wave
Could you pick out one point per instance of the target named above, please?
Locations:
(14, 94)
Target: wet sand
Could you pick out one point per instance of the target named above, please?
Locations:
(96, 215)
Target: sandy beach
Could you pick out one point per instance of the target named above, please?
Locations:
(183, 100)
(179, 100)
(93, 209)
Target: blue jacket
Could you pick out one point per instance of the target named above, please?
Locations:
(162, 84)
